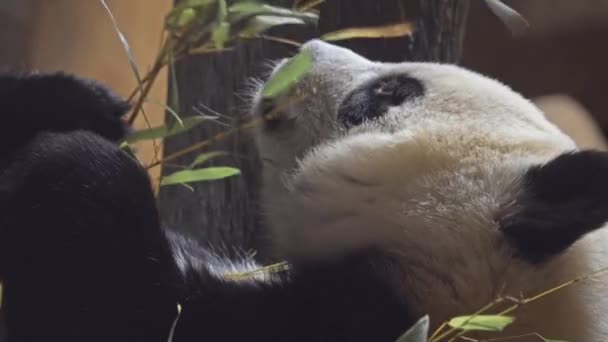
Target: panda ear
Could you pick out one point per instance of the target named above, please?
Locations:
(561, 201)
(59, 102)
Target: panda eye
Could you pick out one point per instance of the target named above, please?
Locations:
(373, 100)
(396, 90)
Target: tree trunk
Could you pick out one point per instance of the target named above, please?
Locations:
(226, 213)
(221, 213)
(440, 27)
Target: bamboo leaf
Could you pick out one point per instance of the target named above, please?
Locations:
(419, 332)
(222, 11)
(174, 85)
(127, 48)
(127, 148)
(261, 23)
(181, 18)
(220, 35)
(188, 12)
(514, 21)
(124, 42)
(307, 5)
(494, 323)
(289, 75)
(164, 131)
(147, 134)
(169, 109)
(387, 31)
(186, 124)
(174, 325)
(199, 175)
(202, 158)
(246, 9)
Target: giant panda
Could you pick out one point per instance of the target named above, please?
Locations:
(393, 190)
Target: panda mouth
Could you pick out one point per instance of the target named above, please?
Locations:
(275, 113)
(267, 109)
(274, 109)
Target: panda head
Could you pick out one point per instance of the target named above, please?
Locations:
(459, 177)
(58, 102)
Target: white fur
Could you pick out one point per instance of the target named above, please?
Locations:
(425, 182)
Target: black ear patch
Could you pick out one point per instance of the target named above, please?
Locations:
(561, 201)
(58, 102)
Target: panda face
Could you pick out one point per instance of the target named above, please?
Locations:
(412, 132)
(419, 159)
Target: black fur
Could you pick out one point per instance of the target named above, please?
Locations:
(373, 99)
(57, 102)
(561, 201)
(83, 257)
(345, 300)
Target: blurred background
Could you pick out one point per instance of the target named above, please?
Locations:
(77, 36)
(564, 52)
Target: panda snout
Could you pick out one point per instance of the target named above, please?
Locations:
(373, 99)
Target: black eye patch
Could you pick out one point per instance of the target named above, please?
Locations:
(373, 99)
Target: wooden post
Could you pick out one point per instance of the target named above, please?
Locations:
(226, 212)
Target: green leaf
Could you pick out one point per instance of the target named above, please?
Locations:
(199, 175)
(174, 85)
(127, 48)
(494, 323)
(247, 9)
(188, 12)
(419, 332)
(169, 109)
(147, 134)
(288, 76)
(387, 31)
(261, 23)
(182, 18)
(242, 9)
(222, 11)
(164, 131)
(0, 295)
(202, 158)
(220, 35)
(124, 42)
(513, 20)
(174, 325)
(127, 148)
(221, 31)
(186, 124)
